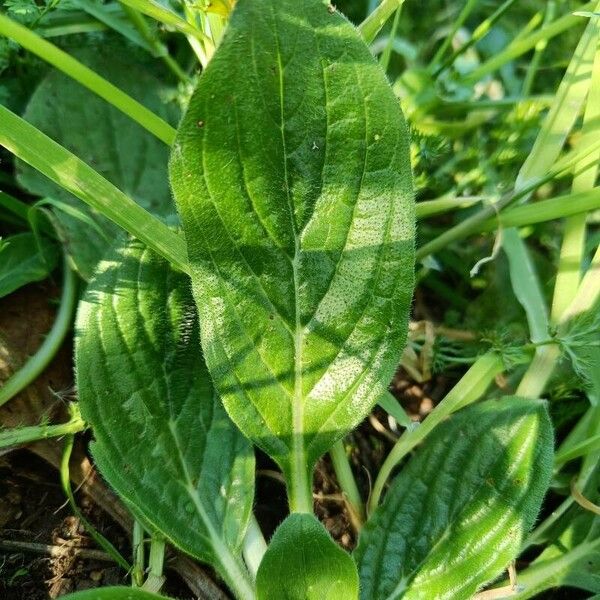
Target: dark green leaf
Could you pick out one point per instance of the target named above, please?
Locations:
(304, 563)
(457, 514)
(162, 438)
(291, 174)
(22, 261)
(106, 139)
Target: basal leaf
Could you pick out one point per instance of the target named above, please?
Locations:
(304, 563)
(118, 148)
(291, 175)
(113, 593)
(457, 514)
(162, 438)
(22, 261)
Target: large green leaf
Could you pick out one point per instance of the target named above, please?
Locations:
(22, 261)
(304, 563)
(457, 514)
(162, 438)
(291, 175)
(114, 145)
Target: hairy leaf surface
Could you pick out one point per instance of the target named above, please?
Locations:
(304, 563)
(22, 261)
(457, 514)
(118, 148)
(292, 178)
(162, 438)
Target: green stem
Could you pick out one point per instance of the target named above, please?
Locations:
(521, 46)
(46, 352)
(540, 47)
(299, 488)
(480, 32)
(25, 435)
(96, 535)
(372, 25)
(384, 61)
(470, 388)
(458, 23)
(157, 46)
(88, 78)
(156, 561)
(139, 562)
(345, 478)
(539, 372)
(254, 547)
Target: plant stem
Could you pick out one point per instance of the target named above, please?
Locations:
(345, 477)
(24, 435)
(139, 562)
(522, 46)
(471, 387)
(88, 78)
(254, 547)
(384, 61)
(156, 560)
(46, 352)
(372, 25)
(540, 47)
(539, 372)
(299, 488)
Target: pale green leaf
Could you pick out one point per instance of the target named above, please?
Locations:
(118, 148)
(162, 438)
(113, 593)
(457, 514)
(304, 563)
(292, 178)
(22, 261)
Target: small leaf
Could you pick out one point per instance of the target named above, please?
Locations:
(113, 593)
(162, 438)
(292, 177)
(22, 261)
(457, 514)
(117, 147)
(304, 563)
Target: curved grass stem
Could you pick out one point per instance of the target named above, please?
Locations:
(42, 358)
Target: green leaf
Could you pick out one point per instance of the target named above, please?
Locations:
(304, 563)
(118, 148)
(113, 593)
(162, 438)
(457, 514)
(292, 177)
(22, 261)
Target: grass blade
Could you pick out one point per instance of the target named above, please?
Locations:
(65, 169)
(88, 78)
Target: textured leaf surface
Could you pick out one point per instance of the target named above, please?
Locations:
(304, 563)
(458, 512)
(114, 145)
(162, 438)
(22, 261)
(292, 178)
(113, 593)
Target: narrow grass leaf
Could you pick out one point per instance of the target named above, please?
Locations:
(72, 174)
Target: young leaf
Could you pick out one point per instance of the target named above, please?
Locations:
(118, 148)
(113, 593)
(291, 174)
(304, 563)
(162, 438)
(22, 261)
(457, 514)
